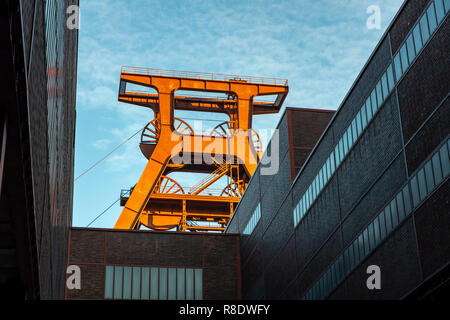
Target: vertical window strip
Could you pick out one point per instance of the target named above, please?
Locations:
(254, 219)
(382, 225)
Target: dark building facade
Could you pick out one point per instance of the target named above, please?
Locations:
(37, 112)
(373, 191)
(150, 265)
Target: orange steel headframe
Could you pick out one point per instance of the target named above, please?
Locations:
(233, 148)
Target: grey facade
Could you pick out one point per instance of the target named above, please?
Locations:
(38, 63)
(373, 191)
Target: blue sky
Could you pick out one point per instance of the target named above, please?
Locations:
(320, 46)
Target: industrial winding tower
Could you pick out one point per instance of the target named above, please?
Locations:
(231, 150)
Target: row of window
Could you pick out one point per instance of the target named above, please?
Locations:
(374, 101)
(427, 178)
(254, 219)
(151, 283)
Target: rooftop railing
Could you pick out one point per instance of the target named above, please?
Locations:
(204, 76)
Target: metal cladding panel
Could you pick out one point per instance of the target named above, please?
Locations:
(432, 225)
(428, 137)
(426, 84)
(372, 202)
(402, 24)
(399, 264)
(365, 162)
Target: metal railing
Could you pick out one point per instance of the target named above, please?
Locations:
(125, 193)
(203, 75)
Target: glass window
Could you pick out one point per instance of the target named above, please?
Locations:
(398, 66)
(429, 176)
(118, 276)
(347, 258)
(404, 58)
(394, 214)
(424, 28)
(336, 155)
(145, 275)
(198, 284)
(431, 17)
(411, 49)
(387, 219)
(127, 283)
(354, 131)
(385, 86)
(366, 241)
(345, 143)
(172, 283)
(350, 137)
(437, 168)
(379, 93)
(180, 284)
(390, 78)
(444, 161)
(358, 123)
(341, 267)
(189, 284)
(362, 254)
(136, 283)
(406, 200)
(329, 173)
(368, 111)
(400, 207)
(154, 283)
(320, 180)
(417, 38)
(382, 225)
(415, 191)
(109, 279)
(447, 5)
(363, 117)
(371, 236)
(341, 148)
(373, 96)
(440, 13)
(332, 163)
(376, 230)
(356, 251)
(162, 283)
(422, 184)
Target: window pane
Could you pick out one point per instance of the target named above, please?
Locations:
(366, 241)
(447, 5)
(385, 86)
(369, 109)
(162, 283)
(417, 39)
(371, 236)
(363, 117)
(411, 50)
(332, 162)
(406, 200)
(387, 219)
(358, 123)
(429, 176)
(404, 58)
(198, 284)
(172, 283)
(180, 284)
(345, 143)
(145, 282)
(341, 149)
(361, 247)
(336, 155)
(329, 172)
(349, 136)
(422, 184)
(352, 257)
(398, 66)
(379, 94)
(136, 283)
(109, 278)
(373, 96)
(415, 191)
(424, 28)
(400, 207)
(356, 251)
(440, 13)
(189, 284)
(154, 283)
(431, 17)
(382, 226)
(394, 214)
(354, 131)
(127, 282)
(437, 168)
(118, 276)
(444, 161)
(376, 230)
(390, 78)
